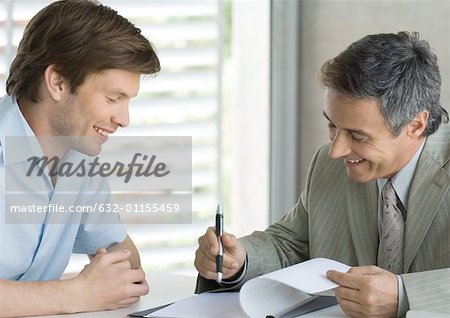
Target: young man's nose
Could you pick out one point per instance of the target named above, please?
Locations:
(121, 116)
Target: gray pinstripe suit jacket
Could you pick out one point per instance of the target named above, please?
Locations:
(337, 218)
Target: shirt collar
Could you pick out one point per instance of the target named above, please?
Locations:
(401, 181)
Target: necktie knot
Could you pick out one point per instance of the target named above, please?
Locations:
(388, 194)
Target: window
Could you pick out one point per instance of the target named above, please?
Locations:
(214, 87)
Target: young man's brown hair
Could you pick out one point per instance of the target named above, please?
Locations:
(80, 37)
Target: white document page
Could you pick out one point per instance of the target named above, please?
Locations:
(262, 297)
(279, 292)
(309, 276)
(206, 305)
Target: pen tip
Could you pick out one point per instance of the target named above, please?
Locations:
(219, 277)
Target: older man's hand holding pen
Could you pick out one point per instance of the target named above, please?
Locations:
(208, 248)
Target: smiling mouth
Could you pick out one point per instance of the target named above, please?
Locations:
(102, 131)
(354, 161)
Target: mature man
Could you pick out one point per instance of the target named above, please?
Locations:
(77, 67)
(377, 197)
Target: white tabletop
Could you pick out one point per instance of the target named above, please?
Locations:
(166, 288)
(425, 314)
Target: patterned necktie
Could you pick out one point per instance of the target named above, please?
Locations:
(390, 251)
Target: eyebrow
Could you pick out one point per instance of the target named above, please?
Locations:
(357, 131)
(118, 92)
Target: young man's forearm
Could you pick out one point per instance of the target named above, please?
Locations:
(108, 282)
(39, 298)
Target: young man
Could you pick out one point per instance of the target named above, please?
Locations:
(77, 67)
(376, 197)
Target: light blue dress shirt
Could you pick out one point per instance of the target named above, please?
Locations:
(39, 252)
(401, 183)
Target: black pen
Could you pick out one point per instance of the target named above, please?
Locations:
(219, 233)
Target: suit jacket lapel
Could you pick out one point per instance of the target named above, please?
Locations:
(427, 192)
(362, 202)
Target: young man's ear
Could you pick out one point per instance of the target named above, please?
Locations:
(56, 84)
(416, 127)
